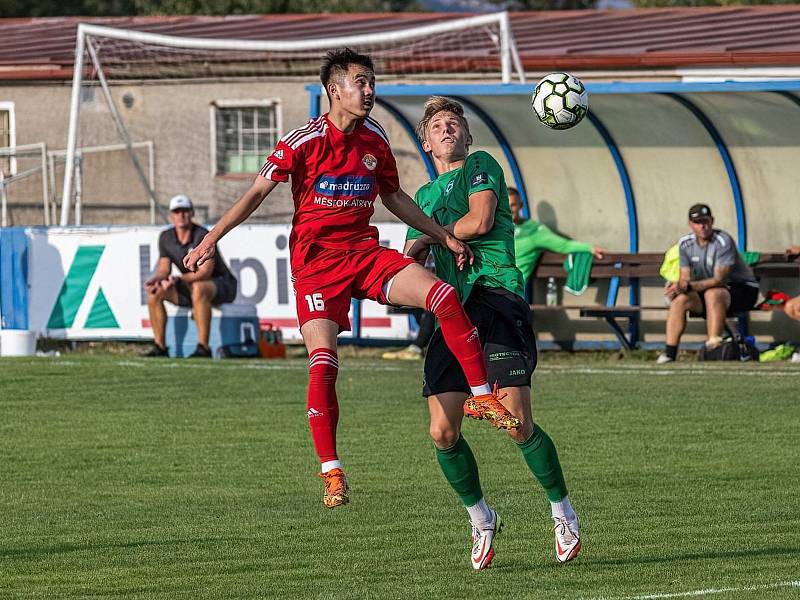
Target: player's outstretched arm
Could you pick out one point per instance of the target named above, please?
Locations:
(237, 213)
(403, 207)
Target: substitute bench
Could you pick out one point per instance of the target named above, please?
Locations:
(619, 268)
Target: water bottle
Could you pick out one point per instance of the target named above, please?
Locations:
(551, 298)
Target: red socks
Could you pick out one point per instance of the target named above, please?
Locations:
(460, 334)
(323, 408)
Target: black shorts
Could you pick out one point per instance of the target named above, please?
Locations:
(743, 298)
(226, 291)
(503, 320)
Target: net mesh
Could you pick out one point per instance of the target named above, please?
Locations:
(471, 51)
(25, 187)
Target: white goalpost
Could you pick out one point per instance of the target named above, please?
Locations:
(108, 60)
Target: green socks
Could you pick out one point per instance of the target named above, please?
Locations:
(461, 471)
(542, 459)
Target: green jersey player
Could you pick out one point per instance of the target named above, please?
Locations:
(470, 199)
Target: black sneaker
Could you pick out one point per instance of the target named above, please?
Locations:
(200, 352)
(157, 350)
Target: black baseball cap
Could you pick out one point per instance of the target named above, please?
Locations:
(700, 211)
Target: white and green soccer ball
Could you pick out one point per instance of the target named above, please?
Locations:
(560, 100)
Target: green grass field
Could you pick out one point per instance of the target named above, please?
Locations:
(119, 482)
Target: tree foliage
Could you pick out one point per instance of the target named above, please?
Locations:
(108, 8)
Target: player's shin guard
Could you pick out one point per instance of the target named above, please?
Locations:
(322, 406)
(461, 471)
(541, 457)
(459, 333)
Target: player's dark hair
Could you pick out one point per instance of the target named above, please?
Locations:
(435, 105)
(337, 62)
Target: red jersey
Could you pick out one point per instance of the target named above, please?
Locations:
(336, 178)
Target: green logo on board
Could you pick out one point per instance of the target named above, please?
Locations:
(74, 290)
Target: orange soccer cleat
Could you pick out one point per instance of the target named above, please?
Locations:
(488, 406)
(335, 488)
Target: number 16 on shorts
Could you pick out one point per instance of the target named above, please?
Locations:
(315, 302)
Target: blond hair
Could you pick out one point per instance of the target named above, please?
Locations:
(435, 105)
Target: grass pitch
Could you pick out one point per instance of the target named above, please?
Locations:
(124, 477)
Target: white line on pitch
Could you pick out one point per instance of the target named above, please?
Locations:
(704, 367)
(663, 372)
(294, 365)
(752, 588)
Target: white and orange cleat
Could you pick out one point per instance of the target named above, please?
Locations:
(489, 407)
(568, 538)
(335, 488)
(483, 542)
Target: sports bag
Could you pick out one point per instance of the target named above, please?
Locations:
(735, 348)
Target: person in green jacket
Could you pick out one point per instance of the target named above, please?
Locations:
(532, 238)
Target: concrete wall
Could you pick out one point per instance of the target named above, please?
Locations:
(177, 118)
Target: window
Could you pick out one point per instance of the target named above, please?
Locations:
(7, 163)
(245, 132)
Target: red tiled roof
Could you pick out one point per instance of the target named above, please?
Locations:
(589, 39)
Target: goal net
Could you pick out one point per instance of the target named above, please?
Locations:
(208, 111)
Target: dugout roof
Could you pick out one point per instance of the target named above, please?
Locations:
(655, 39)
(625, 177)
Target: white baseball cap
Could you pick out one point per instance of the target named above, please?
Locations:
(180, 201)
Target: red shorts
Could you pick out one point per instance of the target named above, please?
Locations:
(330, 278)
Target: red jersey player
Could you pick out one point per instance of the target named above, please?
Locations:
(338, 164)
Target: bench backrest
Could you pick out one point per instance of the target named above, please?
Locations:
(647, 264)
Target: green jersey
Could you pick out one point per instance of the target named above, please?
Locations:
(446, 200)
(532, 238)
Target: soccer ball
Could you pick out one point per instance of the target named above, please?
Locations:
(560, 100)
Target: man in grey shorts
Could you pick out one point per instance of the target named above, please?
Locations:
(714, 282)
(212, 284)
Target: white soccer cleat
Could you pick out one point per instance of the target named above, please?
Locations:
(483, 543)
(568, 538)
(664, 359)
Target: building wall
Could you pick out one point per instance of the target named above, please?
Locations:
(176, 117)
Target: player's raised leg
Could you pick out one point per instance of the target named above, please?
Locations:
(322, 405)
(539, 453)
(415, 286)
(461, 471)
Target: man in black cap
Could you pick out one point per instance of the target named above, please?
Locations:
(211, 285)
(714, 282)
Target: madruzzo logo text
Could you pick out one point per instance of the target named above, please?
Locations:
(335, 187)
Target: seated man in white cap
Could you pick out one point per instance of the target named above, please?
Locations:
(210, 285)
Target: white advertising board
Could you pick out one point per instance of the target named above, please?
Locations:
(86, 283)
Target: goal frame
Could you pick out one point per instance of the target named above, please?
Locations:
(509, 62)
